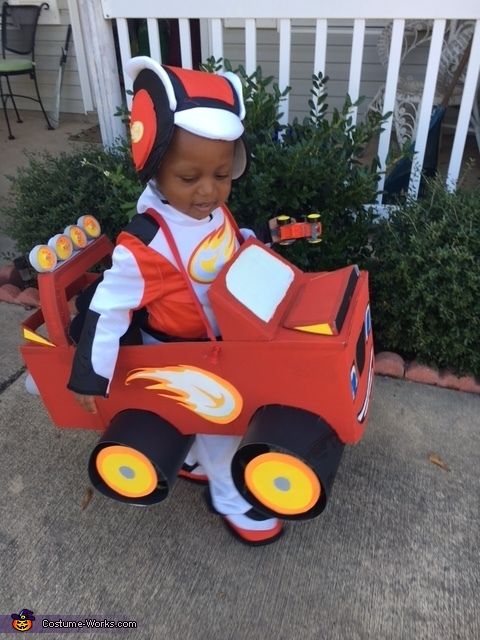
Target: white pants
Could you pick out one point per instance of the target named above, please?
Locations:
(214, 454)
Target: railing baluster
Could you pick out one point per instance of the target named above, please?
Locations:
(356, 65)
(125, 54)
(425, 112)
(468, 97)
(284, 65)
(320, 47)
(154, 39)
(250, 46)
(216, 30)
(389, 98)
(185, 42)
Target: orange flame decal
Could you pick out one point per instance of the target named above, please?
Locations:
(211, 254)
(200, 391)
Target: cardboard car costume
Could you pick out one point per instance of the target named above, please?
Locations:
(292, 372)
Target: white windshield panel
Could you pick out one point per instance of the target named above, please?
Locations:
(259, 281)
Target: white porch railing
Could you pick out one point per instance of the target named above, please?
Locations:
(213, 13)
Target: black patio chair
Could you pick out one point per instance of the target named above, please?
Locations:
(19, 27)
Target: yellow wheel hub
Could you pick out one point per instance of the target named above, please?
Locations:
(282, 483)
(126, 471)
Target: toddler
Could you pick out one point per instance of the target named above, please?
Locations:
(187, 147)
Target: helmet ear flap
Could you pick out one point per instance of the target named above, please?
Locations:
(151, 123)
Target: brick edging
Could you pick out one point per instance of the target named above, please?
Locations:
(10, 292)
(392, 364)
(387, 363)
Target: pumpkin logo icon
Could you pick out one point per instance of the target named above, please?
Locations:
(23, 621)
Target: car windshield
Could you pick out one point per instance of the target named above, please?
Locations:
(259, 281)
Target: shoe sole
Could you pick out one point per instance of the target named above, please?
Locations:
(236, 531)
(192, 477)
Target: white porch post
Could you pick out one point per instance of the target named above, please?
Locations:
(79, 42)
(103, 70)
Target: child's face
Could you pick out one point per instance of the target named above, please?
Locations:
(195, 175)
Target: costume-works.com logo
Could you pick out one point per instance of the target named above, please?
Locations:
(23, 621)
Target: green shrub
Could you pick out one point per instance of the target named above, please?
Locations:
(51, 192)
(425, 279)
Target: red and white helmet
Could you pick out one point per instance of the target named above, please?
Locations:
(205, 104)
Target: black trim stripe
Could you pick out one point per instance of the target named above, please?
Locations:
(360, 351)
(347, 296)
(83, 378)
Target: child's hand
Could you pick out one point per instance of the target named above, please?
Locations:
(86, 402)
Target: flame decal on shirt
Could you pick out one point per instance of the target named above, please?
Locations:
(200, 391)
(211, 254)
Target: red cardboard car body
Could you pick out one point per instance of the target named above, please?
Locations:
(289, 338)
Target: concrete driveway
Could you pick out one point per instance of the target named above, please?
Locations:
(394, 556)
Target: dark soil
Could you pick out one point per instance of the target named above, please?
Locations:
(92, 134)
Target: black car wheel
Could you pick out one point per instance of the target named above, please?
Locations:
(138, 458)
(286, 463)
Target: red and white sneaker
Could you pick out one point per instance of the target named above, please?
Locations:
(254, 537)
(193, 473)
(251, 528)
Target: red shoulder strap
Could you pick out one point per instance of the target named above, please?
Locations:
(228, 214)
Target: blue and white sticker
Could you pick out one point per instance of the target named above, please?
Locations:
(354, 381)
(368, 322)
